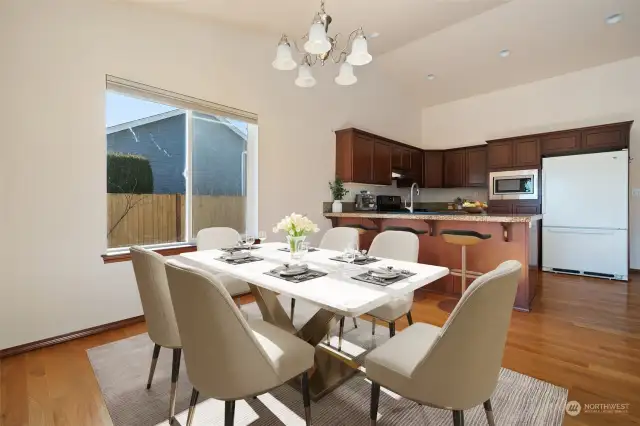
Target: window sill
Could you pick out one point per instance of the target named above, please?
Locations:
(125, 256)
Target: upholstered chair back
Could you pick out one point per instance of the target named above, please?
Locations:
(223, 358)
(151, 278)
(340, 238)
(463, 365)
(396, 245)
(216, 238)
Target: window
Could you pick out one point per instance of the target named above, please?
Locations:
(175, 165)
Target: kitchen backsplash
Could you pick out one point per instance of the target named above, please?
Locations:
(426, 194)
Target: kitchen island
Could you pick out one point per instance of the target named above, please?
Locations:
(513, 237)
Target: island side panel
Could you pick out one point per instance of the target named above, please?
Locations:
(482, 257)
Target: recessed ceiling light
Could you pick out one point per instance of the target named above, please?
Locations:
(504, 53)
(431, 77)
(614, 19)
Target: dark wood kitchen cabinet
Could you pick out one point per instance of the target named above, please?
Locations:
(605, 137)
(454, 168)
(400, 158)
(416, 171)
(560, 143)
(514, 207)
(526, 207)
(526, 152)
(512, 153)
(354, 156)
(433, 164)
(500, 154)
(476, 167)
(381, 163)
(500, 207)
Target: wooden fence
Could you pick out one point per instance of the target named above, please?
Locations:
(159, 218)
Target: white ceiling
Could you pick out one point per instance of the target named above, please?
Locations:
(457, 40)
(546, 38)
(397, 21)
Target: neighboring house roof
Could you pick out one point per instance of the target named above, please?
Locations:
(169, 114)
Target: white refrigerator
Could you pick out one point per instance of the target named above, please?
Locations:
(585, 207)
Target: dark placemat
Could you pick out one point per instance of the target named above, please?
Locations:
(235, 249)
(239, 261)
(357, 262)
(287, 249)
(309, 275)
(367, 277)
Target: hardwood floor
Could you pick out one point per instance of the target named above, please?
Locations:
(583, 334)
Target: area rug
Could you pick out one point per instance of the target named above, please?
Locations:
(122, 367)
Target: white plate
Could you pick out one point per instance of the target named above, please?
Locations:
(385, 273)
(238, 255)
(293, 270)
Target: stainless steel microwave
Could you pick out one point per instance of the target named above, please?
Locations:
(514, 185)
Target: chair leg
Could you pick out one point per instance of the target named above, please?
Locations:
(458, 418)
(355, 323)
(373, 326)
(175, 371)
(340, 333)
(306, 398)
(409, 318)
(375, 399)
(192, 406)
(489, 412)
(392, 329)
(293, 308)
(154, 361)
(229, 412)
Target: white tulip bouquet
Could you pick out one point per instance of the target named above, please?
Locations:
(296, 225)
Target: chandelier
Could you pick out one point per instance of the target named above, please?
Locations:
(319, 47)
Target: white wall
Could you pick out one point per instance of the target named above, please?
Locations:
(599, 95)
(54, 59)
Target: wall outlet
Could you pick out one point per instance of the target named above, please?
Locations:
(635, 192)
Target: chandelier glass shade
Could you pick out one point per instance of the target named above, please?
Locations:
(318, 47)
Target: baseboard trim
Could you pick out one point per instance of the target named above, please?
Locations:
(16, 350)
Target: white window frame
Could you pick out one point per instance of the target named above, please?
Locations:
(189, 105)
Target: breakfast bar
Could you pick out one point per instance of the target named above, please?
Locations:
(513, 237)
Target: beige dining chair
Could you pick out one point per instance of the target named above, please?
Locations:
(227, 357)
(395, 245)
(337, 239)
(151, 278)
(221, 237)
(455, 367)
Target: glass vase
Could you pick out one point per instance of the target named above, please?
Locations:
(294, 243)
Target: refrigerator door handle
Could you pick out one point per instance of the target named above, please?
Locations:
(581, 231)
(544, 190)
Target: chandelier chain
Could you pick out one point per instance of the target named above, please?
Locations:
(322, 6)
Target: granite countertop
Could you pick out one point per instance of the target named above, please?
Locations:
(470, 217)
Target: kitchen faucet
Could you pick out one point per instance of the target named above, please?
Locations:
(410, 208)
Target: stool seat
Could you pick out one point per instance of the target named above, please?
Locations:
(463, 237)
(405, 229)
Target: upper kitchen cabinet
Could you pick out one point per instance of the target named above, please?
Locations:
(433, 174)
(560, 143)
(362, 157)
(513, 153)
(414, 172)
(500, 154)
(381, 163)
(454, 168)
(354, 156)
(611, 137)
(476, 166)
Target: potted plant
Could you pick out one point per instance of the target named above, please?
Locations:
(338, 191)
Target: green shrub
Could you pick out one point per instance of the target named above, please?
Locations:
(128, 174)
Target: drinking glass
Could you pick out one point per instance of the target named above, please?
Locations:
(249, 240)
(349, 255)
(262, 235)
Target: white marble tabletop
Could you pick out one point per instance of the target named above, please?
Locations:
(336, 291)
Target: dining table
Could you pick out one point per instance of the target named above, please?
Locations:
(336, 293)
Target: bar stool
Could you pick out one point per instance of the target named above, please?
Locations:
(418, 232)
(464, 238)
